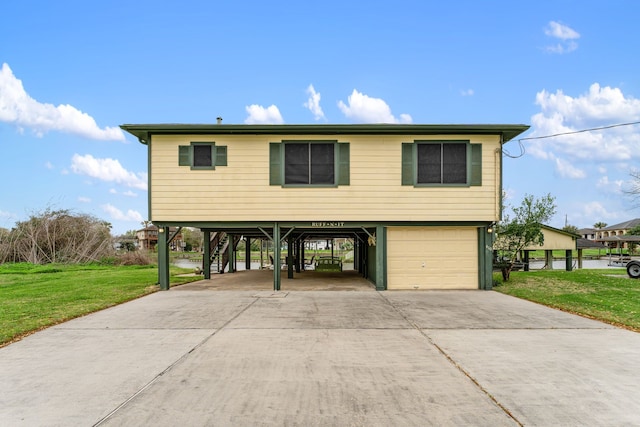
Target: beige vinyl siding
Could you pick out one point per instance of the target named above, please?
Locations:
(432, 258)
(240, 191)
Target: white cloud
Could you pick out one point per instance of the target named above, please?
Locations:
(18, 108)
(600, 106)
(595, 211)
(260, 115)
(365, 109)
(82, 199)
(567, 37)
(113, 191)
(608, 186)
(467, 92)
(109, 170)
(567, 170)
(313, 103)
(118, 215)
(560, 31)
(130, 193)
(48, 165)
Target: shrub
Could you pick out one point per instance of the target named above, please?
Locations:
(133, 258)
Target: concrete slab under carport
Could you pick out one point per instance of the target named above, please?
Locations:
(262, 280)
(188, 357)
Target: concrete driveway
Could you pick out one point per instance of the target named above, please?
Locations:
(192, 357)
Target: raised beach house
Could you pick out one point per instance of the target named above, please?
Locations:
(419, 201)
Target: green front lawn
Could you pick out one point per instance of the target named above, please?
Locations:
(33, 297)
(607, 295)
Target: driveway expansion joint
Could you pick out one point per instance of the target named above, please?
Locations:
(452, 361)
(171, 366)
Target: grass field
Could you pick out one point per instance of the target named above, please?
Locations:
(607, 295)
(33, 297)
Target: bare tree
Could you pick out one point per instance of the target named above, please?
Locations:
(634, 190)
(57, 236)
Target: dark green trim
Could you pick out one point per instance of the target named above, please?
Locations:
(381, 258)
(485, 258)
(144, 131)
(303, 225)
(277, 247)
(206, 256)
(184, 155)
(290, 257)
(498, 165)
(150, 170)
(343, 163)
(221, 155)
(163, 258)
(475, 178)
(407, 163)
(247, 253)
(276, 174)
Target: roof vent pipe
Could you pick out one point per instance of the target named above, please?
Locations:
(219, 120)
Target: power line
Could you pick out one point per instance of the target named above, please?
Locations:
(522, 149)
(580, 131)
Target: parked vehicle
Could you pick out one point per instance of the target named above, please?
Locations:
(633, 269)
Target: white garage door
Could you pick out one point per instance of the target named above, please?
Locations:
(432, 258)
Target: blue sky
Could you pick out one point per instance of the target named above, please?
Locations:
(71, 72)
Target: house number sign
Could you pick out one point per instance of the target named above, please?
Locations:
(322, 224)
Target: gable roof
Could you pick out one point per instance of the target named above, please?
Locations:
(623, 225)
(144, 131)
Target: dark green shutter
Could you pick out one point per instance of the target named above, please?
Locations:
(476, 164)
(343, 163)
(407, 163)
(275, 163)
(221, 155)
(183, 155)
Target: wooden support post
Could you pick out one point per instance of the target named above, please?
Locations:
(206, 256)
(302, 266)
(277, 252)
(163, 258)
(231, 254)
(548, 258)
(297, 257)
(381, 258)
(569, 260)
(580, 258)
(247, 253)
(290, 261)
(485, 259)
(526, 260)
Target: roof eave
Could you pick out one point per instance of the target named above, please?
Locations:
(144, 131)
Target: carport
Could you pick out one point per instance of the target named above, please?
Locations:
(618, 243)
(224, 238)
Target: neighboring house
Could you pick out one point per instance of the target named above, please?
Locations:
(147, 238)
(419, 201)
(616, 236)
(588, 233)
(617, 229)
